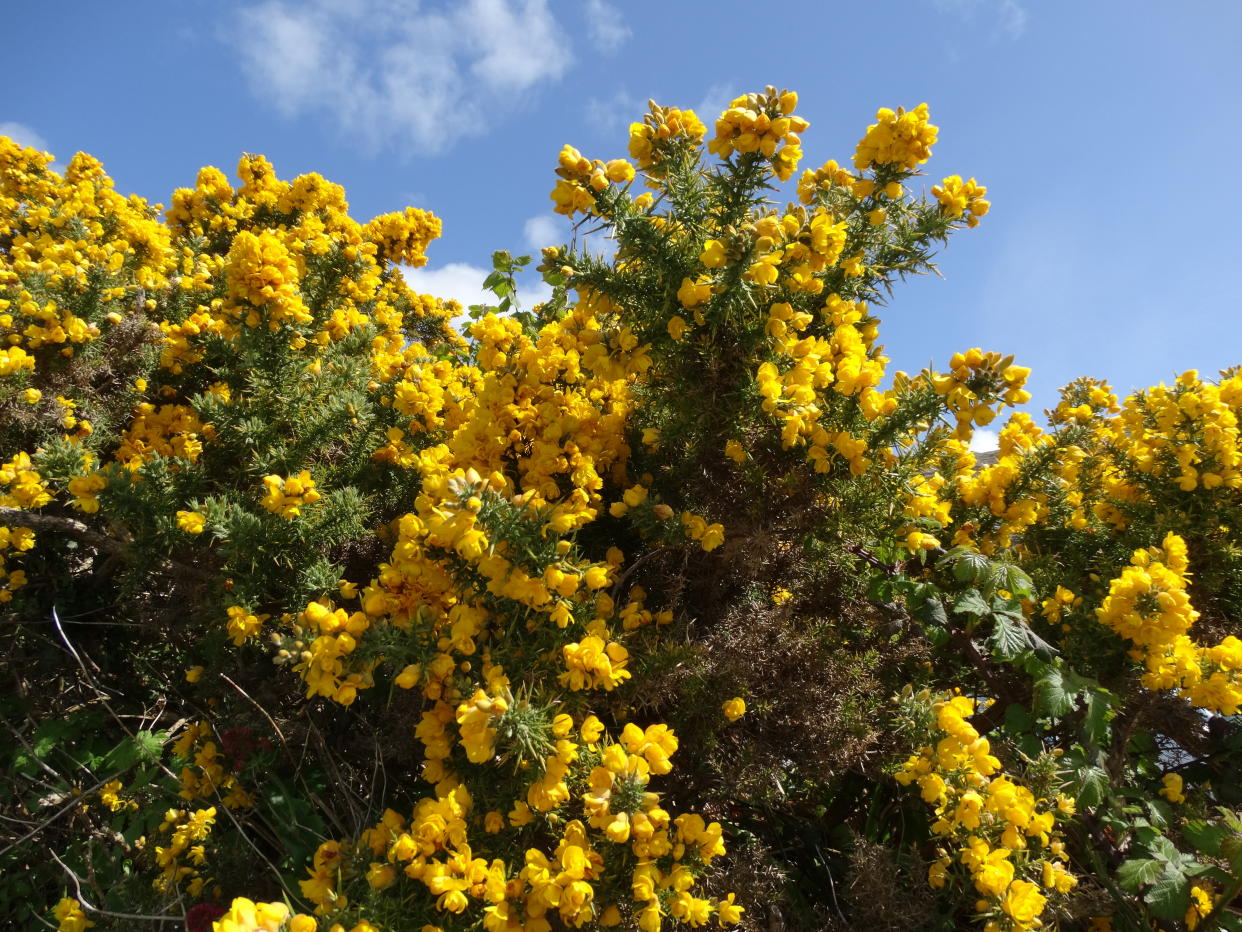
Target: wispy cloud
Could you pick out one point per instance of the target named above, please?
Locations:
(605, 27)
(715, 101)
(544, 230)
(1007, 17)
(23, 135)
(398, 72)
(610, 115)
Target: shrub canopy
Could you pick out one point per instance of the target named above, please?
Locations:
(660, 603)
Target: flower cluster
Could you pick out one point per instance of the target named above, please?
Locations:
(762, 124)
(994, 832)
(1148, 605)
(660, 134)
(70, 917)
(962, 198)
(978, 381)
(248, 916)
(512, 548)
(187, 832)
(287, 495)
(582, 179)
(902, 139)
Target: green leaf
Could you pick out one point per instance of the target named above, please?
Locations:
(121, 757)
(1014, 580)
(1053, 696)
(1138, 872)
(1007, 639)
(1099, 704)
(1205, 836)
(971, 568)
(970, 602)
(150, 745)
(1169, 896)
(931, 612)
(1092, 786)
(1018, 719)
(1164, 850)
(49, 735)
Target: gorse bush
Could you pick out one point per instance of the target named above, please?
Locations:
(661, 603)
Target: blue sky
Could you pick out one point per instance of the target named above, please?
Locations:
(1104, 131)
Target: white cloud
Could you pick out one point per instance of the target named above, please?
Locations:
(391, 73)
(1008, 16)
(463, 282)
(604, 25)
(553, 230)
(614, 114)
(715, 101)
(457, 281)
(984, 441)
(544, 230)
(23, 135)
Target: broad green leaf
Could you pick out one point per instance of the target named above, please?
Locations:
(1099, 703)
(1169, 896)
(1018, 719)
(1093, 785)
(970, 602)
(150, 744)
(1138, 872)
(931, 612)
(1014, 580)
(1164, 850)
(1007, 639)
(971, 568)
(1054, 698)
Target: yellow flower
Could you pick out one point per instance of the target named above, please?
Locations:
(381, 876)
(194, 674)
(729, 913)
(1172, 789)
(734, 708)
(192, 522)
(70, 916)
(713, 255)
(1023, 902)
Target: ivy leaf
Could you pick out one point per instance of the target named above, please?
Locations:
(1138, 872)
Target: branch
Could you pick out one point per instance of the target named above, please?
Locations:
(61, 525)
(41, 522)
